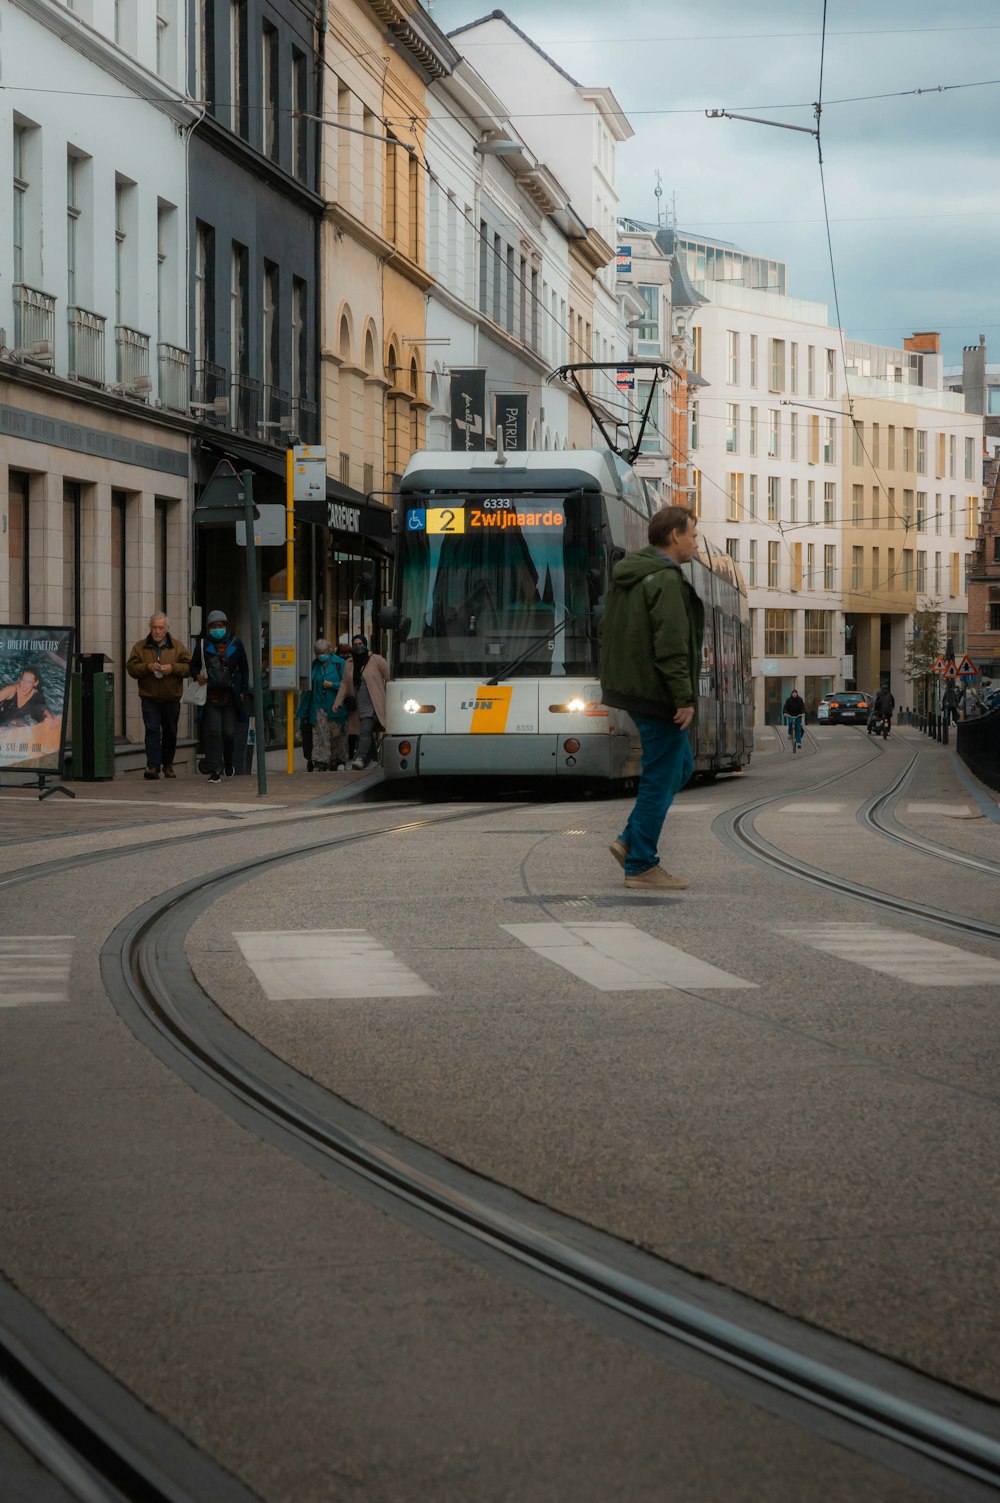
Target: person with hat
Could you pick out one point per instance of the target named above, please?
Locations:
(220, 661)
(159, 665)
(362, 695)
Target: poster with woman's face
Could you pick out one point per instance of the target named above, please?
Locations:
(35, 664)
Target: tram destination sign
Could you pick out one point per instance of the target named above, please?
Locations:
(488, 513)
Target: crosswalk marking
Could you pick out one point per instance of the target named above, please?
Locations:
(956, 811)
(894, 952)
(325, 964)
(621, 958)
(34, 968)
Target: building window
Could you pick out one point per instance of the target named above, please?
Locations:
(696, 349)
(72, 530)
(907, 568)
(19, 547)
(20, 196)
(951, 456)
(952, 515)
(876, 566)
(239, 310)
(814, 438)
(238, 66)
(829, 502)
(778, 632)
(652, 442)
(732, 428)
(773, 434)
(773, 563)
(73, 214)
(753, 360)
(793, 434)
(921, 511)
(831, 373)
(829, 567)
(793, 500)
(693, 417)
(810, 501)
(733, 549)
(955, 582)
(829, 441)
(649, 330)
(810, 565)
(811, 371)
(876, 437)
(875, 507)
(752, 564)
(921, 572)
(970, 458)
(857, 503)
(734, 499)
(696, 492)
(124, 192)
(164, 39)
(956, 627)
(299, 105)
(793, 374)
(891, 579)
(271, 341)
(857, 441)
(752, 497)
(890, 457)
(204, 293)
(907, 449)
(797, 566)
(857, 568)
(269, 82)
(753, 430)
(819, 634)
(921, 451)
(938, 576)
(777, 375)
(773, 498)
(733, 357)
(971, 516)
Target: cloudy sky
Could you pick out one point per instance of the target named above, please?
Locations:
(913, 183)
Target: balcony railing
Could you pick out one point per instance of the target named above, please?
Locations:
(244, 404)
(277, 407)
(86, 345)
(304, 421)
(211, 382)
(34, 316)
(175, 375)
(132, 355)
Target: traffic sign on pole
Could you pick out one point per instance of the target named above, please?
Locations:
(938, 665)
(951, 671)
(967, 669)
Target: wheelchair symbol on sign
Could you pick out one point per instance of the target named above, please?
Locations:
(416, 521)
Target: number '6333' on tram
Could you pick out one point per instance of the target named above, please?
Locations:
(501, 575)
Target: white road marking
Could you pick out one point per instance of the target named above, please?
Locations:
(956, 811)
(34, 968)
(159, 803)
(894, 952)
(325, 964)
(805, 806)
(621, 958)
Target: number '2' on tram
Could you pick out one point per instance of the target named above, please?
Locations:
(501, 572)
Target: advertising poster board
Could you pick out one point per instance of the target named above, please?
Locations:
(468, 409)
(35, 666)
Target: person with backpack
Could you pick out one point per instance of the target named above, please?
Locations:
(329, 740)
(885, 703)
(220, 661)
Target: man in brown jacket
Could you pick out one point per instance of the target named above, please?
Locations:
(160, 666)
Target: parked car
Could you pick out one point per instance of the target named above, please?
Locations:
(848, 708)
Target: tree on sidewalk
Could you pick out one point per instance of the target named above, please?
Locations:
(921, 650)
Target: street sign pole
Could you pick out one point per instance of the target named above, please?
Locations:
(246, 480)
(290, 591)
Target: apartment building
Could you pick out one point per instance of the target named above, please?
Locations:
(983, 582)
(94, 416)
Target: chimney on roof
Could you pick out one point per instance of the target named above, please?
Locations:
(925, 344)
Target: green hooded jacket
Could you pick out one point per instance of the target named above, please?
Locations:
(651, 634)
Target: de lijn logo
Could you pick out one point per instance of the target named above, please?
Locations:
(479, 703)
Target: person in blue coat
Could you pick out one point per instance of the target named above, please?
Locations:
(220, 661)
(329, 743)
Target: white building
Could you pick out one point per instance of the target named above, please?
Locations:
(94, 371)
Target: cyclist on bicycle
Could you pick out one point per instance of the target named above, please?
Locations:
(794, 711)
(884, 706)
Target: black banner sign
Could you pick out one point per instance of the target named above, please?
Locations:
(511, 415)
(468, 409)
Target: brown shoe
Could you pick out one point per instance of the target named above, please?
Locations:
(655, 879)
(151, 774)
(619, 850)
(168, 772)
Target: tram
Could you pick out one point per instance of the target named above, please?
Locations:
(503, 561)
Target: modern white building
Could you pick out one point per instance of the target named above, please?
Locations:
(94, 391)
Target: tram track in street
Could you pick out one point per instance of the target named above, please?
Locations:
(736, 828)
(904, 1418)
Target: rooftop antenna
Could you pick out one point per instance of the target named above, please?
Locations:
(672, 213)
(658, 193)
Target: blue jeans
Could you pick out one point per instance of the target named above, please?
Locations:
(667, 764)
(794, 724)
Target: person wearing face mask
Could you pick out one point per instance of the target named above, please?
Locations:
(362, 695)
(220, 661)
(328, 739)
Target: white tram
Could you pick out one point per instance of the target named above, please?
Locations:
(501, 571)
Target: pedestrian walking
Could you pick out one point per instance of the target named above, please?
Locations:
(329, 737)
(651, 634)
(220, 661)
(950, 702)
(159, 666)
(362, 695)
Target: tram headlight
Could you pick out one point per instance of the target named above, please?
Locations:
(414, 707)
(576, 705)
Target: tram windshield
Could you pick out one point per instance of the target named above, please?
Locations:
(487, 580)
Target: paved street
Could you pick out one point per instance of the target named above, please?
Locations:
(776, 1098)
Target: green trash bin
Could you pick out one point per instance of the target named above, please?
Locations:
(92, 723)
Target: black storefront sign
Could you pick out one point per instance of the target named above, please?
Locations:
(468, 409)
(511, 417)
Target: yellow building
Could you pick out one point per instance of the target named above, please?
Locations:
(910, 497)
